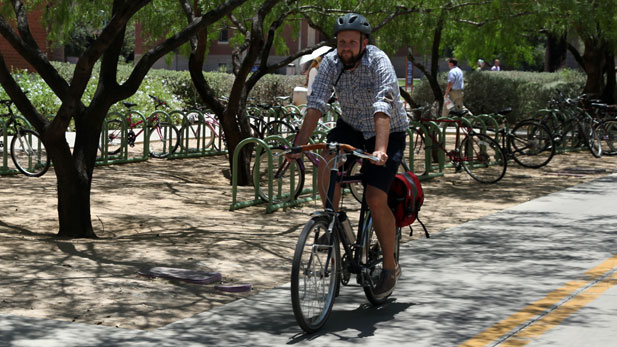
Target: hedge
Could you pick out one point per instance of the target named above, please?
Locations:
(525, 92)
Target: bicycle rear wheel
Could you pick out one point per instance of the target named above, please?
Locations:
(314, 274)
(482, 158)
(163, 140)
(372, 260)
(29, 153)
(288, 178)
(531, 144)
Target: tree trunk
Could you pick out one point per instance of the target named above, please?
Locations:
(74, 178)
(555, 53)
(594, 62)
(611, 84)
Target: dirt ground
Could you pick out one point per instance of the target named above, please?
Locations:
(176, 214)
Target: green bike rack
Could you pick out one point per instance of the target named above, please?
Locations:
(122, 157)
(260, 146)
(4, 147)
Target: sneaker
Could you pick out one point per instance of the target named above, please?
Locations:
(387, 282)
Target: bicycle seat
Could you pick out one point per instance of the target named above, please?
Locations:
(129, 104)
(458, 113)
(600, 105)
(505, 111)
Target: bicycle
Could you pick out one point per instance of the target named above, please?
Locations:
(528, 143)
(478, 154)
(163, 136)
(27, 151)
(606, 132)
(318, 268)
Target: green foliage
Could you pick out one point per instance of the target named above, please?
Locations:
(174, 87)
(525, 92)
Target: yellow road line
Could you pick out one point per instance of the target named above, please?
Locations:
(552, 315)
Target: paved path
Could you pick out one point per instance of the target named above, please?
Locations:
(541, 273)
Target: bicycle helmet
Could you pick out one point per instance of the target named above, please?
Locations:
(352, 21)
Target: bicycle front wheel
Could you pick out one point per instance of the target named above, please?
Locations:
(372, 260)
(113, 138)
(29, 153)
(356, 187)
(314, 274)
(163, 140)
(531, 144)
(482, 158)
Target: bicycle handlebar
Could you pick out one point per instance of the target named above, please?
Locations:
(333, 147)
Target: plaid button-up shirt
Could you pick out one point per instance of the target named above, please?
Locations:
(372, 87)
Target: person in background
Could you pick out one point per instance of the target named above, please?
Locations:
(455, 87)
(481, 65)
(311, 73)
(496, 66)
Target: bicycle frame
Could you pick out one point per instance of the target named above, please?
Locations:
(352, 251)
(453, 155)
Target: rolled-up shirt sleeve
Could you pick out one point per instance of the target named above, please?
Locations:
(322, 88)
(386, 87)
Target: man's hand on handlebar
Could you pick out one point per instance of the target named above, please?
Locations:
(383, 157)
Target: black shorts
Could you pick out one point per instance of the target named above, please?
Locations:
(378, 176)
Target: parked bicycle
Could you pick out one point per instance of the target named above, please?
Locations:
(318, 267)
(528, 143)
(27, 151)
(163, 136)
(478, 154)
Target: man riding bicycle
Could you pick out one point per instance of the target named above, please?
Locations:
(373, 119)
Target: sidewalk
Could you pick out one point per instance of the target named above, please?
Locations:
(454, 287)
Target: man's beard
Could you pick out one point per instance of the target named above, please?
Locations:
(349, 61)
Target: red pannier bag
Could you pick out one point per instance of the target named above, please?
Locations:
(405, 198)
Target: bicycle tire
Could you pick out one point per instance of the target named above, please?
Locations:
(163, 140)
(313, 285)
(114, 137)
(29, 153)
(418, 146)
(592, 141)
(280, 128)
(531, 144)
(372, 259)
(281, 186)
(482, 158)
(607, 134)
(356, 188)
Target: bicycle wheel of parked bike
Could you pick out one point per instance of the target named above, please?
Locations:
(29, 153)
(606, 133)
(372, 257)
(531, 144)
(280, 128)
(482, 158)
(418, 146)
(283, 172)
(113, 137)
(163, 140)
(314, 274)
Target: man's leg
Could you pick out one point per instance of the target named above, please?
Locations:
(385, 225)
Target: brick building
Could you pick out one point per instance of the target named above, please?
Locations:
(14, 59)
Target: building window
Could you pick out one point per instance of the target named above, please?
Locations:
(224, 38)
